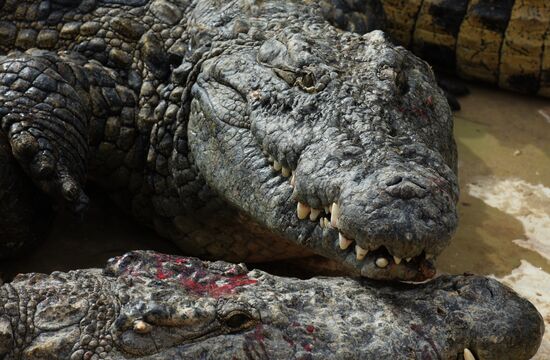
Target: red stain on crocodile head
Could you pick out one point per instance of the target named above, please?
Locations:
(196, 277)
(216, 287)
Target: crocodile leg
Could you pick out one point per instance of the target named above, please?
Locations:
(54, 109)
(44, 117)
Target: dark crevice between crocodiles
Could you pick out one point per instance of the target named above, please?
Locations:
(542, 76)
(413, 29)
(541, 60)
(449, 15)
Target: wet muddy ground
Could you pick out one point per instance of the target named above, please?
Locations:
(504, 168)
(504, 151)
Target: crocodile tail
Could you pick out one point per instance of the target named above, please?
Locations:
(525, 52)
(503, 42)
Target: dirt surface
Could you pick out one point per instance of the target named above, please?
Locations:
(504, 169)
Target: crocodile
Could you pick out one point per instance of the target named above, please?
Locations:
(147, 305)
(502, 42)
(241, 130)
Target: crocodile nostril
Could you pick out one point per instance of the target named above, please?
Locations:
(405, 189)
(394, 180)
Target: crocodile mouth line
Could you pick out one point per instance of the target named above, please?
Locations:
(327, 221)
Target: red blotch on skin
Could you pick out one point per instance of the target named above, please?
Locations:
(180, 261)
(213, 289)
(310, 328)
(259, 333)
(161, 274)
(191, 274)
(289, 340)
(308, 347)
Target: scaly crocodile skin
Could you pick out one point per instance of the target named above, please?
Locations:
(146, 305)
(241, 130)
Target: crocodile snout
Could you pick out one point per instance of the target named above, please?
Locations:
(402, 187)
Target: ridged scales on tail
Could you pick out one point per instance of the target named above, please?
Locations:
(502, 42)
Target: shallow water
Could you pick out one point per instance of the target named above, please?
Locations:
(504, 168)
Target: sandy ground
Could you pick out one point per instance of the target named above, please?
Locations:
(504, 168)
(504, 151)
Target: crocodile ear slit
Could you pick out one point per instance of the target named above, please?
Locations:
(219, 102)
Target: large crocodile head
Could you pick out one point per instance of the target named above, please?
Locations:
(151, 306)
(340, 142)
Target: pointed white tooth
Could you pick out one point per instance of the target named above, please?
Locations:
(430, 256)
(360, 253)
(293, 180)
(302, 210)
(141, 327)
(382, 262)
(327, 209)
(285, 171)
(314, 214)
(327, 223)
(408, 236)
(277, 166)
(334, 215)
(322, 223)
(270, 158)
(468, 354)
(408, 259)
(397, 260)
(343, 241)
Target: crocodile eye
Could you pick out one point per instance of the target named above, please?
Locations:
(307, 81)
(238, 320)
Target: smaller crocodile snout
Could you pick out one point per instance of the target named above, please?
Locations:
(405, 188)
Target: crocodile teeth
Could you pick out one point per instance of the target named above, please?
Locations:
(382, 262)
(408, 259)
(327, 223)
(360, 253)
(397, 260)
(322, 222)
(468, 354)
(408, 236)
(334, 215)
(285, 171)
(277, 166)
(270, 159)
(293, 180)
(302, 210)
(343, 241)
(429, 256)
(141, 327)
(314, 214)
(327, 209)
